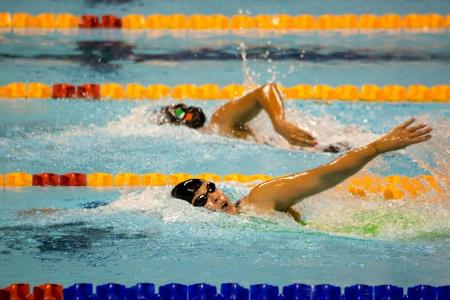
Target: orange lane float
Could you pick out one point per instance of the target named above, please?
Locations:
(18, 179)
(21, 20)
(390, 187)
(418, 92)
(133, 22)
(393, 92)
(127, 179)
(183, 91)
(135, 91)
(347, 92)
(89, 91)
(112, 91)
(73, 179)
(209, 177)
(39, 90)
(156, 21)
(323, 92)
(211, 91)
(16, 291)
(155, 179)
(99, 179)
(14, 90)
(178, 21)
(21, 291)
(232, 91)
(112, 22)
(179, 177)
(45, 179)
(157, 91)
(221, 22)
(66, 21)
(46, 20)
(63, 90)
(89, 21)
(93, 22)
(5, 20)
(47, 292)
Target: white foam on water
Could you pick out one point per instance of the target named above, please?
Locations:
(435, 150)
(324, 128)
(141, 121)
(156, 202)
(338, 212)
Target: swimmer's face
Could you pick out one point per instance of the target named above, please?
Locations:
(215, 199)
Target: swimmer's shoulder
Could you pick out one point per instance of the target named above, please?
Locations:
(247, 203)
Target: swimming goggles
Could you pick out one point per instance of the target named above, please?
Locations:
(181, 114)
(202, 199)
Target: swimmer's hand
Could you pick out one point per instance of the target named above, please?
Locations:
(295, 135)
(402, 136)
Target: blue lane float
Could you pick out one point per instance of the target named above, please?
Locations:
(358, 292)
(234, 291)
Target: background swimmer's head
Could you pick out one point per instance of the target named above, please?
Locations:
(180, 114)
(204, 194)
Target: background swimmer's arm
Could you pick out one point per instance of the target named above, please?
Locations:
(237, 113)
(294, 213)
(282, 193)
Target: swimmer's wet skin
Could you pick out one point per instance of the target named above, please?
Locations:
(282, 193)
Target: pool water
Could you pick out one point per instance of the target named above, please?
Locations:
(132, 235)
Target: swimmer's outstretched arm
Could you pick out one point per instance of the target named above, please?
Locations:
(235, 114)
(281, 193)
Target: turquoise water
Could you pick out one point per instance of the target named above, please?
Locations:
(146, 236)
(134, 235)
(148, 57)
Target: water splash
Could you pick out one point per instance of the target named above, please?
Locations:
(340, 213)
(249, 77)
(434, 155)
(324, 128)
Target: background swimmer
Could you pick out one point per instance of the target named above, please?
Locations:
(232, 118)
(282, 193)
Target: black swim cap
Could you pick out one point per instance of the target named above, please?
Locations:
(180, 114)
(197, 118)
(186, 190)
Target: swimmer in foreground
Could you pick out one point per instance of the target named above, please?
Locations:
(232, 118)
(282, 193)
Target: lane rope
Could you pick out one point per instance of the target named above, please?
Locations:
(211, 91)
(227, 291)
(363, 22)
(390, 187)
